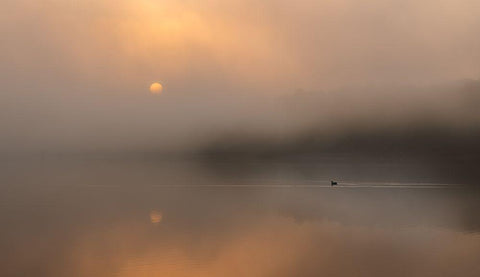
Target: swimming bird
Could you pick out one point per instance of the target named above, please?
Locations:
(333, 183)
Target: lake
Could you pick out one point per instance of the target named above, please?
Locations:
(128, 217)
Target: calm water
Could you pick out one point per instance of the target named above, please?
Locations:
(114, 217)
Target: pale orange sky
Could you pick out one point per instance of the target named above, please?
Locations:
(276, 45)
(87, 65)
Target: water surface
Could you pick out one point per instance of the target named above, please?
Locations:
(144, 217)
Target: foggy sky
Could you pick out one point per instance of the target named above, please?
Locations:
(75, 74)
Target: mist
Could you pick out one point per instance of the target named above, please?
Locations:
(75, 75)
(239, 138)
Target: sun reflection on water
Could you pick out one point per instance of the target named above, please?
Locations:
(156, 217)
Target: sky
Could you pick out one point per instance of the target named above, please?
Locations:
(75, 74)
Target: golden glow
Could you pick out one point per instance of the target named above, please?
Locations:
(156, 88)
(156, 217)
(135, 251)
(174, 38)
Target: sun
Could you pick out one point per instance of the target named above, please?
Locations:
(156, 88)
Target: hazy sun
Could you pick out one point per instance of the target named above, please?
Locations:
(156, 88)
